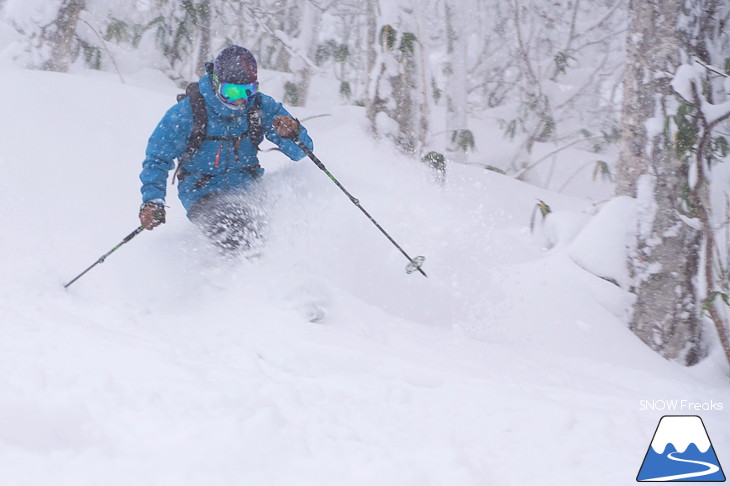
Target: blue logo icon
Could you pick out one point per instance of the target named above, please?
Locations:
(681, 451)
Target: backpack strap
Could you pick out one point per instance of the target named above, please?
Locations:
(199, 133)
(200, 119)
(255, 126)
(200, 125)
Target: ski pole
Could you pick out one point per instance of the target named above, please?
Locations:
(103, 257)
(414, 263)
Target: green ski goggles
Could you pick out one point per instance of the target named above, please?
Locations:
(230, 92)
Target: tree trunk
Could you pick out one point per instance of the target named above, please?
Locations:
(456, 72)
(404, 88)
(59, 36)
(306, 44)
(665, 260)
(204, 26)
(372, 22)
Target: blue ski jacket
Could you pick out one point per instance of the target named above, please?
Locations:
(213, 168)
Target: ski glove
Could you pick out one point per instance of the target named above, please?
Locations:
(286, 126)
(151, 215)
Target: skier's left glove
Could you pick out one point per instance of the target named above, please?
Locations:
(286, 126)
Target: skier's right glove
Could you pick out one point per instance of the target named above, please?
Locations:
(151, 214)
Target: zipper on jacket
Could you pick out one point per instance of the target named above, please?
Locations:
(218, 156)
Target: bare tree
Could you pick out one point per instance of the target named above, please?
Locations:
(552, 42)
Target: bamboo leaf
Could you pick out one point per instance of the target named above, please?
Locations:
(463, 140)
(388, 36)
(707, 303)
(408, 43)
(603, 171)
(543, 209)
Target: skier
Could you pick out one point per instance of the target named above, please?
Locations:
(214, 132)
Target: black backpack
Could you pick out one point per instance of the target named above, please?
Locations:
(199, 132)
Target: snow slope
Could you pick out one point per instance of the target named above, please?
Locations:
(169, 366)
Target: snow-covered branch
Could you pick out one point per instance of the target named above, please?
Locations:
(687, 83)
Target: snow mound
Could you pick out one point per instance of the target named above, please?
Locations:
(602, 245)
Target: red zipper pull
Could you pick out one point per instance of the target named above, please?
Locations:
(217, 157)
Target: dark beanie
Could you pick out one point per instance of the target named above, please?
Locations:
(235, 64)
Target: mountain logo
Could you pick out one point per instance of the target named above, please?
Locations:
(681, 451)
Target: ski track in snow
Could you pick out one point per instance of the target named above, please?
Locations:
(168, 365)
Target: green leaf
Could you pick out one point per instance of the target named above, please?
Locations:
(707, 303)
(345, 89)
(92, 55)
(603, 171)
(543, 208)
(510, 129)
(547, 129)
(341, 53)
(203, 12)
(435, 160)
(117, 31)
(291, 93)
(189, 7)
(720, 147)
(463, 140)
(388, 36)
(612, 136)
(331, 49)
(686, 136)
(435, 91)
(561, 61)
(408, 43)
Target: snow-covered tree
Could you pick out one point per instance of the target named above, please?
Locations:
(456, 70)
(665, 159)
(304, 47)
(181, 30)
(205, 13)
(399, 106)
(49, 28)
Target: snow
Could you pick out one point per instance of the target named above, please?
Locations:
(680, 431)
(510, 364)
(30, 13)
(683, 80)
(602, 246)
(654, 126)
(646, 205)
(714, 113)
(687, 76)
